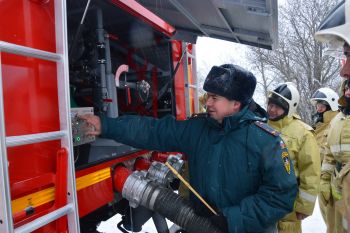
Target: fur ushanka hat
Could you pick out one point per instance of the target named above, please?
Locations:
(232, 82)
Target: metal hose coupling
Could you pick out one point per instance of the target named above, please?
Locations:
(139, 190)
(160, 173)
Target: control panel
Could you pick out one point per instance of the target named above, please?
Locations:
(80, 126)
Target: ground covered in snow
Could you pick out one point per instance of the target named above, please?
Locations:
(313, 224)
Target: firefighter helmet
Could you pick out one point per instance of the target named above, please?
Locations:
(327, 95)
(286, 96)
(335, 29)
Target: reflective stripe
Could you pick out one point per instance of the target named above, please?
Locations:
(47, 195)
(345, 223)
(33, 200)
(327, 167)
(340, 147)
(336, 192)
(306, 196)
(93, 178)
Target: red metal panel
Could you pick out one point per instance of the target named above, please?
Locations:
(99, 194)
(30, 86)
(110, 163)
(191, 80)
(179, 82)
(136, 9)
(95, 196)
(30, 96)
(28, 23)
(61, 186)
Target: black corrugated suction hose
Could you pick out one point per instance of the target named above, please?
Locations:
(172, 206)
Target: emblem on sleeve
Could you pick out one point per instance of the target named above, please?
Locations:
(286, 161)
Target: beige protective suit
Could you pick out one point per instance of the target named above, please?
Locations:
(335, 170)
(321, 131)
(304, 152)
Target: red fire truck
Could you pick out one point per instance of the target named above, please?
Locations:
(62, 58)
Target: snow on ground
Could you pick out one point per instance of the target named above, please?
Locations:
(312, 224)
(110, 226)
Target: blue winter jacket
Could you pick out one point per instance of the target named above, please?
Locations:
(238, 166)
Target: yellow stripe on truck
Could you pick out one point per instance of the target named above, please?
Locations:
(48, 195)
(33, 200)
(92, 178)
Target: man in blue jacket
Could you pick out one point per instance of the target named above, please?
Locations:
(236, 162)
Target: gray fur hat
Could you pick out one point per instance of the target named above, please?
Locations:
(232, 82)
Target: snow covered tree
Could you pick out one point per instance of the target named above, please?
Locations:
(299, 58)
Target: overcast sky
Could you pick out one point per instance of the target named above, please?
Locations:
(210, 52)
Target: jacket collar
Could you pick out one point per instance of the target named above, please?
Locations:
(234, 121)
(328, 116)
(278, 125)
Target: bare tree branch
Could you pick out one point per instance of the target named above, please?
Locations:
(299, 58)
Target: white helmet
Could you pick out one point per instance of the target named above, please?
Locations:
(286, 96)
(335, 29)
(328, 95)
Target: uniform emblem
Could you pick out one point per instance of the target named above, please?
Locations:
(282, 145)
(286, 161)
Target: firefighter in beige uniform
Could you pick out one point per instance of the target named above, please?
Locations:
(336, 164)
(335, 31)
(325, 101)
(303, 150)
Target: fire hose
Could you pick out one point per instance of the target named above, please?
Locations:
(148, 189)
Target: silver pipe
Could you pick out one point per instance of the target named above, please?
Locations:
(28, 52)
(112, 110)
(42, 221)
(34, 138)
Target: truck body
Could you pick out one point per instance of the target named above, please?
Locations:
(59, 59)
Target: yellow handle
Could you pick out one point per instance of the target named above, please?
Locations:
(190, 187)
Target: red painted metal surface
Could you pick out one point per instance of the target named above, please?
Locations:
(136, 9)
(142, 164)
(119, 177)
(61, 186)
(191, 79)
(179, 82)
(28, 23)
(59, 180)
(30, 98)
(95, 196)
(102, 192)
(31, 106)
(110, 163)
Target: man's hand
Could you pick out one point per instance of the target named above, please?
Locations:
(301, 216)
(93, 121)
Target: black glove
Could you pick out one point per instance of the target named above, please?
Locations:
(220, 222)
(201, 210)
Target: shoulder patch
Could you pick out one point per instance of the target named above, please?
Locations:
(286, 161)
(196, 115)
(267, 128)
